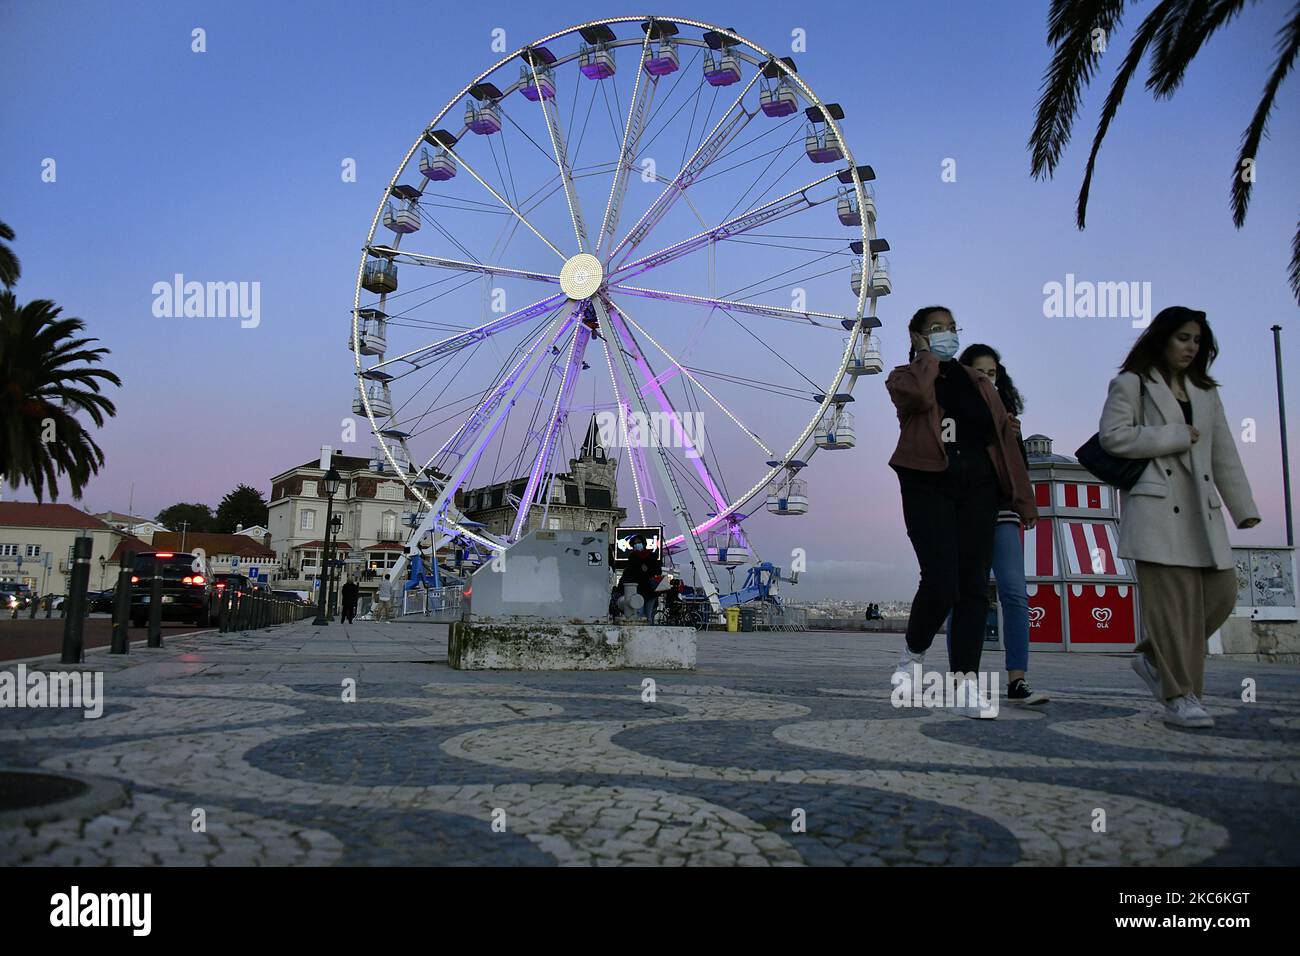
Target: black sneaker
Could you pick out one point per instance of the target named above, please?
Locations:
(1019, 692)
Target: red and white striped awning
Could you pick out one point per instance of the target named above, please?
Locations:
(1040, 557)
(1070, 494)
(1091, 548)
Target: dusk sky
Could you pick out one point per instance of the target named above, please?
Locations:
(225, 166)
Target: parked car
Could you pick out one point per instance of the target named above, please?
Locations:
(15, 595)
(100, 602)
(232, 579)
(189, 593)
(293, 596)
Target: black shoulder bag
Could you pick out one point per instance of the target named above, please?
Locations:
(1123, 473)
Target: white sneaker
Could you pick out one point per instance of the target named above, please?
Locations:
(1185, 712)
(1147, 671)
(908, 666)
(976, 704)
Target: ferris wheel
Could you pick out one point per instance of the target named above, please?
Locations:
(624, 224)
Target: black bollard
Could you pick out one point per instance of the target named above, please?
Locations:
(74, 649)
(155, 605)
(122, 605)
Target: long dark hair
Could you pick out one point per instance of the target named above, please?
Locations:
(1012, 400)
(918, 319)
(1148, 351)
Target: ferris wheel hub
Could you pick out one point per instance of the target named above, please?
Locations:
(582, 276)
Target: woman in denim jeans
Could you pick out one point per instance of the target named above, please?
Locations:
(1008, 554)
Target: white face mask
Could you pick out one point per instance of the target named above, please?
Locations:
(944, 344)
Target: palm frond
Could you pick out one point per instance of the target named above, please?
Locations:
(1132, 60)
(1288, 45)
(1070, 28)
(1181, 38)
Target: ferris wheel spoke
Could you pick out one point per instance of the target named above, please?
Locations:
(460, 160)
(440, 262)
(642, 95)
(690, 377)
(561, 150)
(802, 316)
(727, 128)
(487, 419)
(659, 456)
(558, 416)
(642, 488)
(795, 201)
(420, 356)
(654, 386)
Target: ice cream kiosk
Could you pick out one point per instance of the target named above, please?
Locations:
(1082, 595)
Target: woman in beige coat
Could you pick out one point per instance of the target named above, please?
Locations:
(1164, 406)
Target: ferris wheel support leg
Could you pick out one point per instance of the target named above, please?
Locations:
(659, 457)
(534, 359)
(559, 413)
(640, 473)
(679, 433)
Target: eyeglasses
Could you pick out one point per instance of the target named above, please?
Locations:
(942, 328)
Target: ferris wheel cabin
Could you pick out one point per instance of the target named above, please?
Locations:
(380, 273)
(776, 95)
(721, 66)
(866, 357)
(877, 267)
(820, 142)
(789, 496)
(537, 62)
(438, 166)
(727, 546)
(835, 428)
(402, 215)
(595, 56)
(661, 56)
(373, 332)
(483, 113)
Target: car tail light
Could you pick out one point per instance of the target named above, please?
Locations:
(134, 579)
(220, 585)
(187, 580)
(200, 579)
(164, 554)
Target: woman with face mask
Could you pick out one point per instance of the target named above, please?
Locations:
(1008, 551)
(958, 456)
(1165, 407)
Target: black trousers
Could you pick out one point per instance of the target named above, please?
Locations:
(950, 516)
(349, 612)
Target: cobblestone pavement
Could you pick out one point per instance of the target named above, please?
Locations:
(780, 749)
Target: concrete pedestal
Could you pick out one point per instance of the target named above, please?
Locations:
(549, 646)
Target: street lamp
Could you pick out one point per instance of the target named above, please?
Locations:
(332, 481)
(336, 526)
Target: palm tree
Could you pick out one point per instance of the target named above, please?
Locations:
(9, 267)
(45, 378)
(1174, 32)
